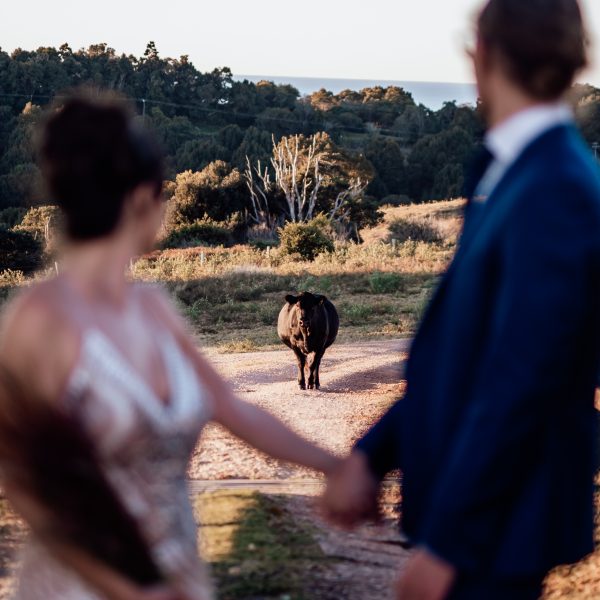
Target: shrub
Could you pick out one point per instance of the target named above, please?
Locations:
(19, 251)
(386, 283)
(307, 239)
(396, 200)
(416, 230)
(355, 314)
(39, 219)
(12, 216)
(262, 237)
(203, 232)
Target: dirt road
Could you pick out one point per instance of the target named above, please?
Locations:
(359, 381)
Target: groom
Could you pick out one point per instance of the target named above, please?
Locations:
(495, 436)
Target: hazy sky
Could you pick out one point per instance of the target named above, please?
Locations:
(418, 40)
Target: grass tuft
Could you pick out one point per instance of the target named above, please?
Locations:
(255, 547)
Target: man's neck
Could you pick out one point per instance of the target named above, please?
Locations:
(508, 103)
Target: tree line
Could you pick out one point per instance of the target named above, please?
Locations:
(230, 144)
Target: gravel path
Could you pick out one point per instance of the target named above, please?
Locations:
(359, 381)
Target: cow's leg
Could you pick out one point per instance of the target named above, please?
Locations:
(313, 378)
(301, 357)
(314, 369)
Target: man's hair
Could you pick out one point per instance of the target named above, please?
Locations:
(543, 43)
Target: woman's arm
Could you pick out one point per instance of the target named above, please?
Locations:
(258, 427)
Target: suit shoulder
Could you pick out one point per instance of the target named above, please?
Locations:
(565, 178)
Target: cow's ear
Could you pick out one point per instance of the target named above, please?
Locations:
(291, 299)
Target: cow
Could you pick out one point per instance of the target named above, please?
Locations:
(308, 324)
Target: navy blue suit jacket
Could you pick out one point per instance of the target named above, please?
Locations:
(496, 434)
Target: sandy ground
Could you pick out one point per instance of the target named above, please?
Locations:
(358, 383)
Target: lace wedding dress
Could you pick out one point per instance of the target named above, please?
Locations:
(144, 444)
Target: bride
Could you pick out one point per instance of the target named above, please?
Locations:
(115, 358)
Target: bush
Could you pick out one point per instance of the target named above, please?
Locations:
(203, 232)
(416, 230)
(307, 239)
(396, 200)
(12, 216)
(355, 314)
(19, 251)
(39, 219)
(386, 283)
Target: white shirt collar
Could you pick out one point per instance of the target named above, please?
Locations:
(507, 140)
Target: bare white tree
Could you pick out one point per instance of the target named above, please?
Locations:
(259, 189)
(341, 207)
(298, 176)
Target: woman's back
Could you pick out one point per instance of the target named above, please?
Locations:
(138, 398)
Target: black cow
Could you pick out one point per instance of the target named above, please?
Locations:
(308, 324)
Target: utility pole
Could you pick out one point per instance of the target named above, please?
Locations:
(144, 110)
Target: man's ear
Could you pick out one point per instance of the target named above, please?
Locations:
(291, 299)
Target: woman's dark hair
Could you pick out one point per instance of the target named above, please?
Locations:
(543, 42)
(93, 153)
(47, 456)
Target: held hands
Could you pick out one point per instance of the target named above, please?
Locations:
(350, 497)
(426, 577)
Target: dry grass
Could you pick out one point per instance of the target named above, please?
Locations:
(232, 296)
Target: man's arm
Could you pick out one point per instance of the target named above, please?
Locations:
(381, 443)
(353, 488)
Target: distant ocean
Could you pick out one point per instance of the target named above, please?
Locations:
(431, 94)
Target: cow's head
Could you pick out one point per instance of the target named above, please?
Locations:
(305, 308)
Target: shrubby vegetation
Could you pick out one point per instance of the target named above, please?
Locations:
(19, 251)
(419, 230)
(248, 160)
(307, 240)
(201, 118)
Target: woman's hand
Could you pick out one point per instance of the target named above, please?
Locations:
(426, 577)
(351, 493)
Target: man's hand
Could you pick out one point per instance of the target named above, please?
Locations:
(426, 577)
(351, 494)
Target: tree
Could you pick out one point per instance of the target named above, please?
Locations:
(387, 158)
(308, 176)
(217, 191)
(296, 163)
(437, 164)
(259, 184)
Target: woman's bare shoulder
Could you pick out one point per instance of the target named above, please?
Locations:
(36, 337)
(158, 300)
